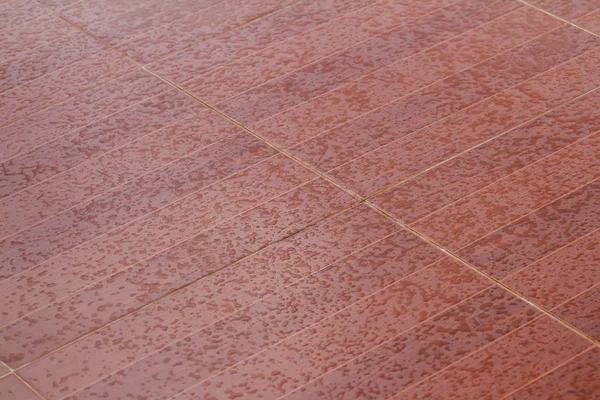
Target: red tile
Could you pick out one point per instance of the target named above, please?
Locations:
(168, 271)
(16, 12)
(78, 112)
(561, 275)
(345, 335)
(133, 200)
(221, 17)
(590, 22)
(538, 234)
(141, 239)
(11, 387)
(583, 312)
(327, 74)
(442, 99)
(301, 304)
(413, 355)
(577, 380)
(512, 197)
(286, 56)
(505, 365)
(3, 370)
(47, 58)
(54, 4)
(424, 148)
(63, 84)
(218, 49)
(569, 9)
(85, 13)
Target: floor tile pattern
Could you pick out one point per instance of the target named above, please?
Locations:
(299, 199)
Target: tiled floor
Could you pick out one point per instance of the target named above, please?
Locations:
(300, 199)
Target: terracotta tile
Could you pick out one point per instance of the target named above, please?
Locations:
(12, 388)
(141, 239)
(170, 270)
(505, 365)
(47, 58)
(325, 75)
(577, 380)
(516, 195)
(85, 13)
(286, 56)
(440, 186)
(442, 99)
(590, 22)
(301, 304)
(345, 335)
(583, 312)
(221, 46)
(569, 9)
(78, 112)
(193, 28)
(412, 356)
(298, 209)
(538, 234)
(561, 275)
(137, 198)
(17, 12)
(63, 84)
(410, 155)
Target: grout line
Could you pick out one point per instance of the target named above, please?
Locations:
(551, 370)
(24, 382)
(593, 287)
(561, 19)
(485, 275)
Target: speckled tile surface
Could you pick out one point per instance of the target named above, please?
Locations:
(299, 199)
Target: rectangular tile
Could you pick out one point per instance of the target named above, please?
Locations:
(556, 278)
(410, 155)
(217, 49)
(77, 112)
(137, 198)
(219, 84)
(513, 196)
(11, 387)
(590, 22)
(192, 29)
(349, 141)
(583, 312)
(327, 74)
(423, 350)
(141, 239)
(578, 379)
(505, 365)
(345, 335)
(538, 234)
(568, 10)
(187, 262)
(263, 323)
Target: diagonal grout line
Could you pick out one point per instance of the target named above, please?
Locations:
(29, 386)
(561, 19)
(593, 287)
(547, 372)
(485, 275)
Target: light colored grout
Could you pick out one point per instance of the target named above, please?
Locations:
(559, 18)
(24, 382)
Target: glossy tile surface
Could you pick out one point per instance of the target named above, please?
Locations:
(308, 199)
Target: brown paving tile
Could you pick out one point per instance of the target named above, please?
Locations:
(569, 9)
(444, 98)
(17, 12)
(538, 234)
(590, 22)
(577, 380)
(78, 112)
(505, 365)
(47, 58)
(512, 197)
(63, 84)
(284, 57)
(453, 180)
(172, 312)
(11, 388)
(325, 75)
(141, 239)
(423, 350)
(299, 305)
(583, 312)
(218, 49)
(561, 275)
(84, 222)
(165, 272)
